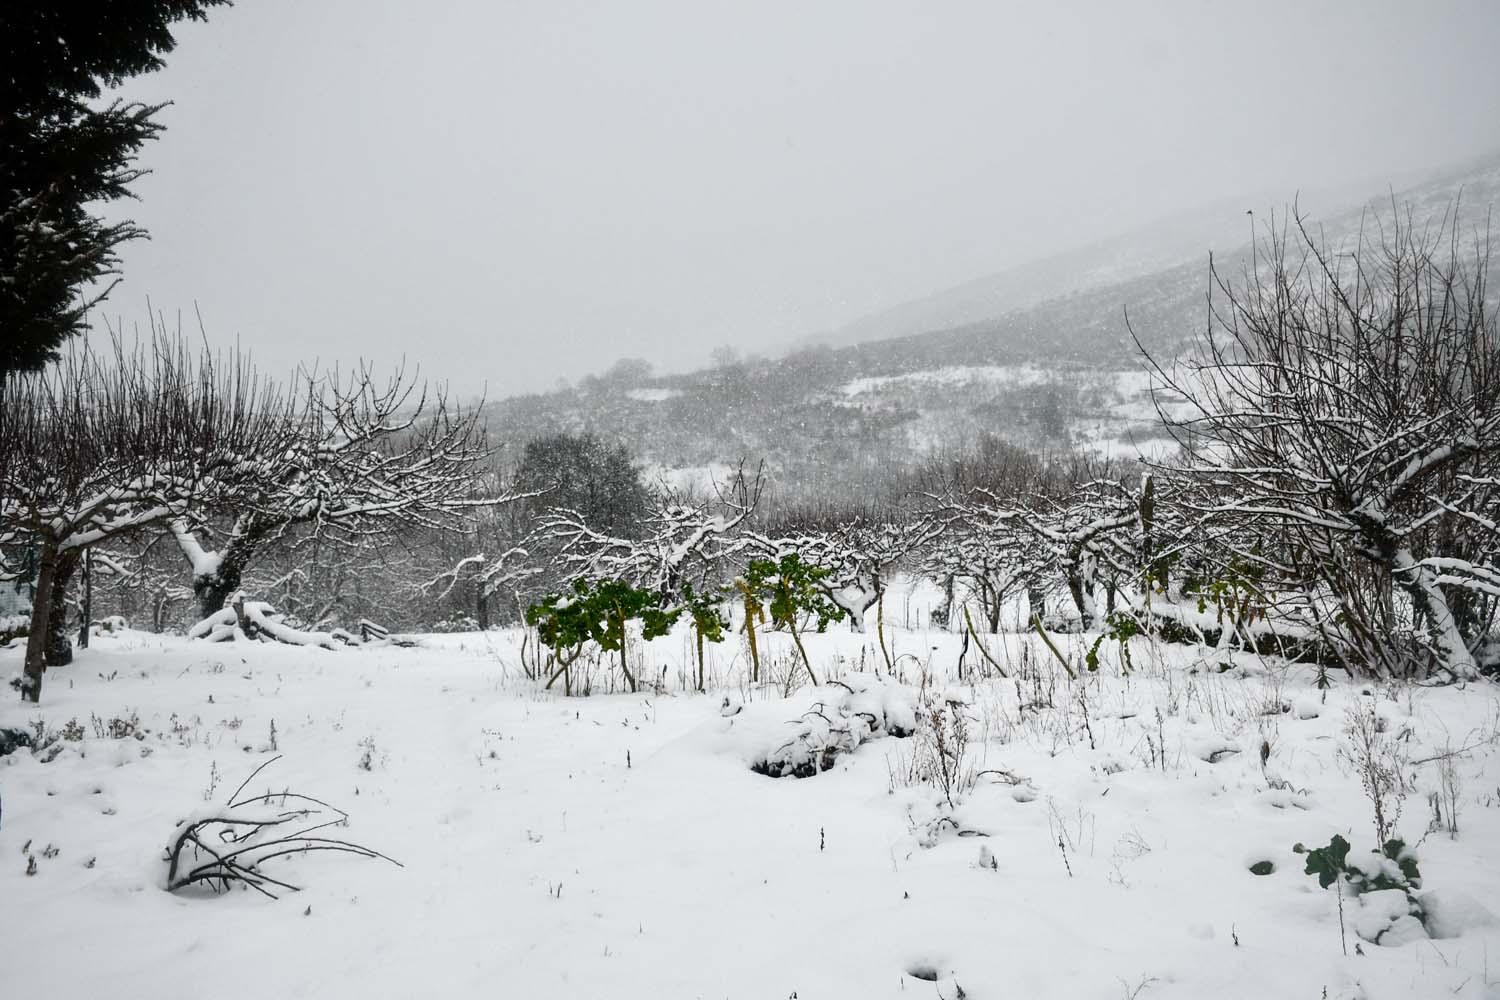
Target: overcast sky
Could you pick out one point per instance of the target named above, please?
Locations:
(509, 193)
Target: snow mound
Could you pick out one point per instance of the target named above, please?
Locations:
(1386, 918)
(863, 708)
(258, 620)
(1451, 912)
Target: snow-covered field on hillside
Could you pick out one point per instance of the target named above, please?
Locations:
(620, 845)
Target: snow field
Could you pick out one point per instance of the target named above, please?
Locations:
(621, 846)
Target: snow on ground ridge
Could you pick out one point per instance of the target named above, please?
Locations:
(621, 846)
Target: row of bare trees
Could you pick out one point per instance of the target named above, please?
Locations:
(102, 450)
(1337, 465)
(1337, 460)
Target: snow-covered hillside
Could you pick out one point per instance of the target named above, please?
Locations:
(1041, 357)
(1100, 841)
(1131, 260)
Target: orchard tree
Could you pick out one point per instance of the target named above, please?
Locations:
(680, 539)
(989, 557)
(96, 448)
(367, 459)
(61, 156)
(1345, 404)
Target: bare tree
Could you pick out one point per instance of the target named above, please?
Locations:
(101, 446)
(1346, 404)
(1073, 518)
(368, 459)
(684, 539)
(858, 556)
(989, 556)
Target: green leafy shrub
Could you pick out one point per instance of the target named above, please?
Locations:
(1392, 867)
(599, 613)
(708, 622)
(787, 588)
(1121, 626)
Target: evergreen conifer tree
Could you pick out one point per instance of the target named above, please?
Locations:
(63, 152)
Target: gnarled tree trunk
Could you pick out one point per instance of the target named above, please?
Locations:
(59, 648)
(41, 616)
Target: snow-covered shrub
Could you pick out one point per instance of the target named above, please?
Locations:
(118, 727)
(456, 623)
(868, 709)
(938, 754)
(942, 746)
(14, 627)
(1384, 882)
(12, 740)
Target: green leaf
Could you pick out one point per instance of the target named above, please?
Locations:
(1327, 863)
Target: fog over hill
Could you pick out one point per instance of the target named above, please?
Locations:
(1039, 355)
(1184, 239)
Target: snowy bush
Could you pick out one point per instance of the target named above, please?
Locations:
(868, 709)
(941, 758)
(13, 627)
(598, 613)
(457, 623)
(1384, 883)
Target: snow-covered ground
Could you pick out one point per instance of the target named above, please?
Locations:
(620, 846)
(952, 375)
(652, 394)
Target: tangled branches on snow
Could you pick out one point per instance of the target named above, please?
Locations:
(223, 845)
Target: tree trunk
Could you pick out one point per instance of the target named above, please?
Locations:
(806, 663)
(700, 660)
(1080, 599)
(41, 615)
(1081, 584)
(87, 610)
(992, 601)
(59, 647)
(482, 607)
(1036, 601)
(1152, 570)
(214, 590)
(159, 611)
(1432, 607)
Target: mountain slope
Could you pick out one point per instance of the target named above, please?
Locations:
(1062, 371)
(1181, 240)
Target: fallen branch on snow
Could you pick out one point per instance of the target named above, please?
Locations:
(223, 845)
(246, 619)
